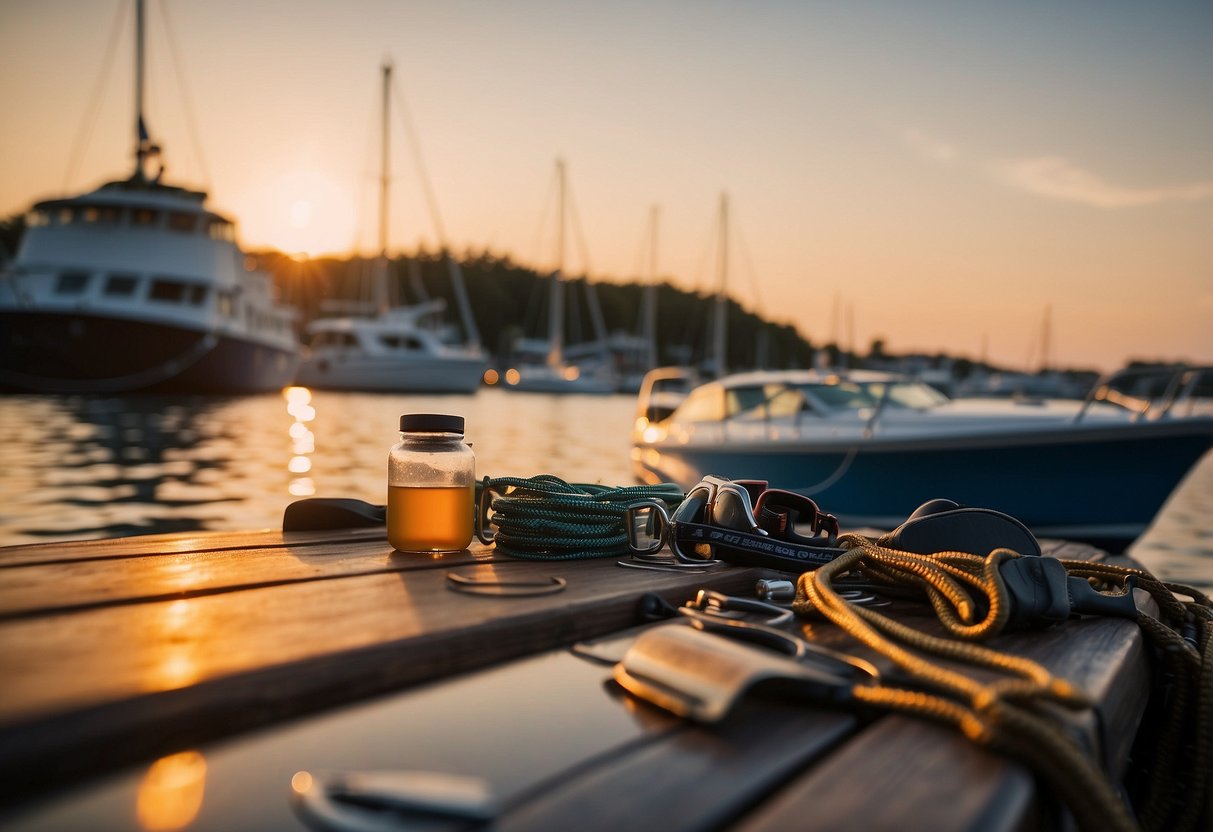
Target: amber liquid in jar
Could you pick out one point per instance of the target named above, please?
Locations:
(430, 518)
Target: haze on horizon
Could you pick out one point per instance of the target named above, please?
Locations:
(943, 171)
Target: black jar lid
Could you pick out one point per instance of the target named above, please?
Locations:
(431, 423)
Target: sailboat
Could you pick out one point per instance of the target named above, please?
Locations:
(139, 286)
(390, 348)
(554, 373)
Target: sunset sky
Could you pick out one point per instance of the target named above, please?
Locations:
(943, 172)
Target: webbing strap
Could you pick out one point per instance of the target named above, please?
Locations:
(545, 518)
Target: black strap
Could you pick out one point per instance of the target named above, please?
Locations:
(744, 549)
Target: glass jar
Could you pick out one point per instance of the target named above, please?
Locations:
(431, 477)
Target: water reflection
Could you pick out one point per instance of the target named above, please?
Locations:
(170, 793)
(303, 441)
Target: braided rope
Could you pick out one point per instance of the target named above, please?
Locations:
(546, 518)
(1004, 715)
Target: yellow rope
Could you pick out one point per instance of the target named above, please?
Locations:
(1005, 714)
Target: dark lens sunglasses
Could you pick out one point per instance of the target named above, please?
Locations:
(739, 505)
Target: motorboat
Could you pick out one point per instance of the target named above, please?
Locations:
(139, 286)
(871, 447)
(381, 347)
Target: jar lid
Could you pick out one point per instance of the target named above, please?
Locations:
(431, 423)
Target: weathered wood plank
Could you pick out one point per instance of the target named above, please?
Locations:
(904, 774)
(175, 543)
(51, 588)
(89, 686)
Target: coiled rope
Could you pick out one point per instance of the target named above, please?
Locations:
(1008, 715)
(546, 518)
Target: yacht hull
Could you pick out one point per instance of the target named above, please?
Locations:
(56, 353)
(393, 374)
(1098, 484)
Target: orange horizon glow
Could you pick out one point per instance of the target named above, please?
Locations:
(932, 176)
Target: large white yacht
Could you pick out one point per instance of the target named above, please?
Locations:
(138, 286)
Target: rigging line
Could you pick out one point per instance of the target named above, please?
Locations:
(749, 264)
(368, 182)
(543, 217)
(183, 90)
(582, 248)
(691, 325)
(97, 97)
(423, 175)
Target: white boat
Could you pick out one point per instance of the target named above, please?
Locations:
(389, 352)
(543, 366)
(871, 447)
(138, 286)
(400, 349)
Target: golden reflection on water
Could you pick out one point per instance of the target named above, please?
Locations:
(303, 440)
(170, 794)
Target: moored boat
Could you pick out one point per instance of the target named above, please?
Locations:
(380, 347)
(870, 447)
(139, 286)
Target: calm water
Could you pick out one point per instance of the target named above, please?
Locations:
(82, 467)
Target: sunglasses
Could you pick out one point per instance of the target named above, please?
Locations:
(745, 506)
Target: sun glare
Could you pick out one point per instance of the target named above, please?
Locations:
(303, 213)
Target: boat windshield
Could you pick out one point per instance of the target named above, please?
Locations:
(856, 395)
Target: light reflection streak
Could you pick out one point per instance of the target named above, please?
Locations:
(175, 638)
(303, 441)
(170, 794)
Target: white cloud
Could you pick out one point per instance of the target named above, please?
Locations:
(930, 146)
(1056, 178)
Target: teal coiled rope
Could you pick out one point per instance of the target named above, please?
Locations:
(546, 518)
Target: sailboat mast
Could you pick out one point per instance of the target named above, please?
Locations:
(385, 161)
(649, 320)
(140, 129)
(379, 280)
(718, 333)
(556, 310)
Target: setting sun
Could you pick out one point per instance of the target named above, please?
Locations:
(302, 212)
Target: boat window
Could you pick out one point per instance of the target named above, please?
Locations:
(197, 294)
(398, 342)
(144, 217)
(37, 218)
(98, 215)
(348, 340)
(180, 221)
(121, 285)
(67, 216)
(167, 291)
(71, 283)
(220, 229)
(703, 405)
(910, 395)
(845, 395)
(741, 399)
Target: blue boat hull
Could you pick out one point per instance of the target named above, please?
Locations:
(1102, 485)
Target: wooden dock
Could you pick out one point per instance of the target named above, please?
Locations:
(253, 656)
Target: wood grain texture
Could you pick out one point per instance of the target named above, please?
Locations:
(89, 688)
(74, 585)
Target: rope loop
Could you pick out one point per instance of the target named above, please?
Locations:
(545, 518)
